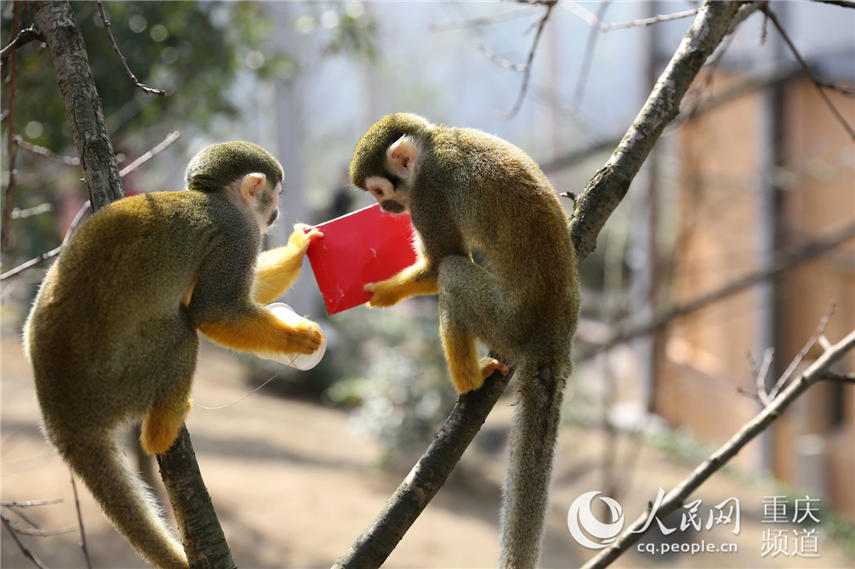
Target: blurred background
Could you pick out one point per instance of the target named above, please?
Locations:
(734, 243)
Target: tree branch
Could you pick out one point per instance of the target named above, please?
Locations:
(433, 468)
(834, 111)
(203, 538)
(610, 184)
(549, 4)
(677, 496)
(24, 37)
(778, 265)
(128, 72)
(57, 23)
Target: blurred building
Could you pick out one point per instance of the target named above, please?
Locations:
(770, 170)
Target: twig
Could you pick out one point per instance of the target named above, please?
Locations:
(128, 71)
(163, 145)
(593, 34)
(31, 211)
(9, 199)
(24, 549)
(820, 330)
(86, 208)
(777, 23)
(31, 263)
(527, 69)
(779, 264)
(842, 377)
(477, 22)
(677, 496)
(83, 545)
(760, 378)
(30, 503)
(24, 37)
(841, 3)
(648, 21)
(46, 153)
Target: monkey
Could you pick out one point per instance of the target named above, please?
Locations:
(112, 334)
(466, 189)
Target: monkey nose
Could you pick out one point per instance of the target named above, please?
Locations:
(391, 206)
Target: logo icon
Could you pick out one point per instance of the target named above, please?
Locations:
(582, 523)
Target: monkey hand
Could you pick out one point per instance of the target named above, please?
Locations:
(302, 236)
(384, 293)
(303, 337)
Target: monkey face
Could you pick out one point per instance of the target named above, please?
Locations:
(274, 215)
(391, 199)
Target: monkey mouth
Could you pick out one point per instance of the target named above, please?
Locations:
(391, 206)
(274, 215)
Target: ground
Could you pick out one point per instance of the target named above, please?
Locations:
(295, 483)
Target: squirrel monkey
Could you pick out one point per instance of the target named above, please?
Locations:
(112, 333)
(467, 189)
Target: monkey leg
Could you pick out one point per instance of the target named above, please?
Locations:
(471, 305)
(163, 422)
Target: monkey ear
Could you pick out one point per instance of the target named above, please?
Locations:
(251, 184)
(402, 156)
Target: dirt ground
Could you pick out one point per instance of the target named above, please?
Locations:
(295, 483)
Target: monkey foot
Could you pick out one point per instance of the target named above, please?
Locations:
(489, 365)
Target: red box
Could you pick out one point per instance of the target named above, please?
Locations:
(362, 247)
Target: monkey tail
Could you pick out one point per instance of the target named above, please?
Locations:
(123, 497)
(532, 446)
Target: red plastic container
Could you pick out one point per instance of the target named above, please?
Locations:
(362, 247)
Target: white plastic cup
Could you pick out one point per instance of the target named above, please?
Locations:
(299, 361)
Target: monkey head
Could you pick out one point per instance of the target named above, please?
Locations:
(386, 160)
(248, 175)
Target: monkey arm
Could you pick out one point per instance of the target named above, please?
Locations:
(277, 269)
(222, 309)
(420, 278)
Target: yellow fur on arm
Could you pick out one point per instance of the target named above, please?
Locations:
(275, 271)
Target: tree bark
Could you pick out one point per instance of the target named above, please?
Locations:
(57, 23)
(204, 541)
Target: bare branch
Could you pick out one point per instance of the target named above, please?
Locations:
(609, 185)
(83, 544)
(478, 22)
(31, 263)
(46, 153)
(648, 21)
(24, 549)
(779, 264)
(820, 330)
(550, 4)
(163, 145)
(840, 118)
(841, 377)
(593, 34)
(31, 211)
(130, 74)
(677, 496)
(760, 378)
(9, 198)
(841, 3)
(24, 37)
(29, 503)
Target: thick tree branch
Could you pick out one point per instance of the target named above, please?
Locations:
(203, 538)
(678, 495)
(57, 23)
(610, 184)
(608, 188)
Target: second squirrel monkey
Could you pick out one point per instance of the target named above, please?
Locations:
(466, 189)
(112, 335)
